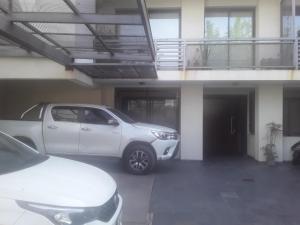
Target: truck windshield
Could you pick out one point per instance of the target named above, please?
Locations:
(121, 115)
(15, 156)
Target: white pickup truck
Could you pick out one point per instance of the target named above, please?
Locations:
(83, 129)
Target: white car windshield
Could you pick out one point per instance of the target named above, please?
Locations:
(15, 156)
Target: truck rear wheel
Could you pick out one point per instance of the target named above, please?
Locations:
(139, 159)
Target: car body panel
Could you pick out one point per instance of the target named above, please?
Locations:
(104, 140)
(59, 182)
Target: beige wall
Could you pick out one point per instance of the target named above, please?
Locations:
(269, 108)
(192, 122)
(192, 19)
(21, 95)
(108, 96)
(268, 19)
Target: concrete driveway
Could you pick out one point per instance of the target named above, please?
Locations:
(222, 192)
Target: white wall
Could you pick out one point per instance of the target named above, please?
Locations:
(191, 122)
(192, 19)
(268, 19)
(19, 68)
(269, 108)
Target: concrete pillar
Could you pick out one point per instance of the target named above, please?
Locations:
(269, 108)
(191, 122)
(268, 19)
(192, 19)
(108, 96)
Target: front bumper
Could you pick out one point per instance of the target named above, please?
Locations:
(115, 220)
(30, 218)
(165, 149)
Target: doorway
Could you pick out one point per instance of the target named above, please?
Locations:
(156, 106)
(225, 126)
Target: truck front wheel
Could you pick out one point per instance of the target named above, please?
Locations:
(139, 159)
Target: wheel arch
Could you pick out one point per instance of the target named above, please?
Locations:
(127, 148)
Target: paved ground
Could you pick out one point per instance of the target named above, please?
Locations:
(220, 192)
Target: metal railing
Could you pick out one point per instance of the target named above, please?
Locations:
(229, 54)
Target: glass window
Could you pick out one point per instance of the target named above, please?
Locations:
(65, 114)
(228, 23)
(165, 24)
(16, 156)
(121, 115)
(291, 117)
(241, 25)
(216, 25)
(96, 116)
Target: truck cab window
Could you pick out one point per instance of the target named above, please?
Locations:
(65, 114)
(96, 116)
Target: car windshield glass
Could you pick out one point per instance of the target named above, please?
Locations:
(121, 115)
(16, 156)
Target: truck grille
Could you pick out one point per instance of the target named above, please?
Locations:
(106, 211)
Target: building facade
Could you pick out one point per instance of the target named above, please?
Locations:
(225, 69)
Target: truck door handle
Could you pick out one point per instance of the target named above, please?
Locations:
(85, 129)
(52, 127)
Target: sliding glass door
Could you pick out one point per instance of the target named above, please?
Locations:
(227, 24)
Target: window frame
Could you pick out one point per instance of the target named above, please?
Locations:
(60, 121)
(230, 10)
(169, 10)
(82, 120)
(286, 125)
(157, 10)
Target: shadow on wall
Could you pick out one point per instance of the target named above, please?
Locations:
(19, 96)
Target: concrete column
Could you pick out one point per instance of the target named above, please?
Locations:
(268, 19)
(269, 108)
(191, 122)
(108, 96)
(192, 19)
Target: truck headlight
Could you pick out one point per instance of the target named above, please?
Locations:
(74, 216)
(60, 215)
(162, 135)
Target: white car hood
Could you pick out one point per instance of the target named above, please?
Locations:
(59, 182)
(154, 127)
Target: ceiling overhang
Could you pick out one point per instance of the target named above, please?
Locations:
(108, 39)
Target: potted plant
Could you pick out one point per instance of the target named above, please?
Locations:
(273, 132)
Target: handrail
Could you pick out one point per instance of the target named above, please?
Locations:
(178, 54)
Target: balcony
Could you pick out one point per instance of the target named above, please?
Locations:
(229, 54)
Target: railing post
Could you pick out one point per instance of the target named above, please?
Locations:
(184, 54)
(156, 54)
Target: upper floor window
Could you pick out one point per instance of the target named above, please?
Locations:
(165, 24)
(229, 23)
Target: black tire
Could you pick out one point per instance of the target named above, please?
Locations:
(139, 159)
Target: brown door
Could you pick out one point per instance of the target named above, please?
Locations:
(224, 126)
